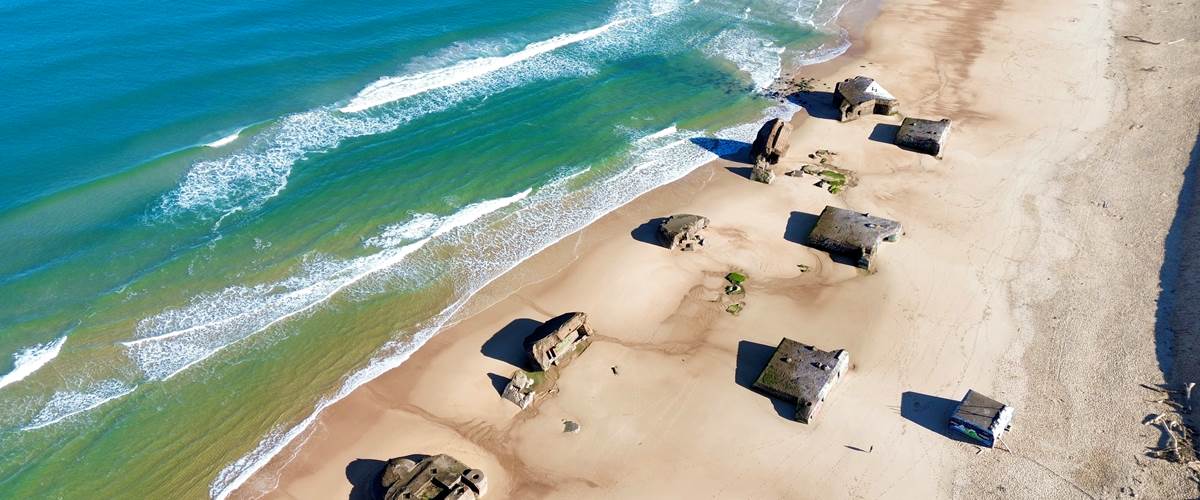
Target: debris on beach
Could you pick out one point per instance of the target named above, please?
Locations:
(1181, 443)
(614, 370)
(861, 96)
(924, 136)
(735, 281)
(786, 87)
(734, 293)
(829, 176)
(438, 476)
(520, 389)
(570, 426)
(683, 231)
(802, 375)
(804, 268)
(854, 234)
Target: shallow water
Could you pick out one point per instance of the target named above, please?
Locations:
(216, 219)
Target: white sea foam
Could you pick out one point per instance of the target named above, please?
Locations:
(224, 140)
(30, 359)
(66, 404)
(248, 177)
(548, 215)
(752, 54)
(391, 89)
(420, 226)
(660, 134)
(174, 340)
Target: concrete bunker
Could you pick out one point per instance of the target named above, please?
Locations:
(924, 136)
(683, 232)
(981, 418)
(853, 234)
(803, 375)
(435, 477)
(860, 96)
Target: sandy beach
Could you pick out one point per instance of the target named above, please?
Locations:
(1030, 270)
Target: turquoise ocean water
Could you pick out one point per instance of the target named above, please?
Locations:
(216, 219)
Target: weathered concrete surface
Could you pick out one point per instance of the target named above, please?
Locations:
(683, 231)
(803, 375)
(772, 141)
(559, 341)
(925, 136)
(439, 477)
(861, 96)
(857, 235)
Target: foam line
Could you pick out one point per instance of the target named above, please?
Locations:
(30, 359)
(66, 404)
(162, 356)
(394, 88)
(224, 140)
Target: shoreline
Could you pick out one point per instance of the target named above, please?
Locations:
(441, 396)
(855, 13)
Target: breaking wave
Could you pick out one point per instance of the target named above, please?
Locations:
(259, 171)
(66, 404)
(754, 55)
(30, 359)
(394, 88)
(174, 340)
(224, 140)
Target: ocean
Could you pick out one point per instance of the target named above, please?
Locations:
(217, 219)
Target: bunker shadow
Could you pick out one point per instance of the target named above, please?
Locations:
(648, 232)
(365, 475)
(726, 149)
(752, 357)
(499, 382)
(932, 413)
(885, 133)
(818, 104)
(508, 344)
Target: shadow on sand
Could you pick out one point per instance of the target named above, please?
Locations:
(726, 149)
(648, 232)
(885, 133)
(799, 224)
(499, 382)
(364, 475)
(752, 357)
(1175, 343)
(507, 345)
(930, 412)
(818, 104)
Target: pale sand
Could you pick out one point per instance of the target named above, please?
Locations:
(1029, 271)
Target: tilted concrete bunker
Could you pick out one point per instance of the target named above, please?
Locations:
(853, 234)
(861, 96)
(803, 375)
(769, 146)
(559, 341)
(440, 477)
(924, 136)
(683, 232)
